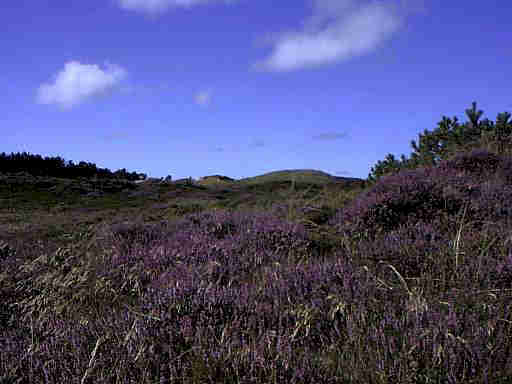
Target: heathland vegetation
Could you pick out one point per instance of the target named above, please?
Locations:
(290, 277)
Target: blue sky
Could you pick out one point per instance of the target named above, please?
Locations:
(245, 87)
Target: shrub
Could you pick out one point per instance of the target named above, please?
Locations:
(421, 194)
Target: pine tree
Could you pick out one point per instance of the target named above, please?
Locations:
(503, 130)
(473, 116)
(448, 139)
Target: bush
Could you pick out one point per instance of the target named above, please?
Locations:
(423, 194)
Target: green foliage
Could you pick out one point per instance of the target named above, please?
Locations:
(447, 140)
(36, 165)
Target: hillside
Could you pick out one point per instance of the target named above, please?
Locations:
(306, 176)
(299, 175)
(215, 180)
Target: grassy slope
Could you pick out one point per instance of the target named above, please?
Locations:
(49, 208)
(299, 175)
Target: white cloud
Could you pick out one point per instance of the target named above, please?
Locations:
(337, 30)
(77, 82)
(203, 97)
(156, 6)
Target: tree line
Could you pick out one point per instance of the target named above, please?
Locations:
(36, 165)
(449, 139)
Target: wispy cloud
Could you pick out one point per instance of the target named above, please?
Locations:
(257, 144)
(203, 98)
(154, 7)
(77, 82)
(336, 31)
(330, 136)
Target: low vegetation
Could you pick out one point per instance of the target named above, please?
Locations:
(293, 277)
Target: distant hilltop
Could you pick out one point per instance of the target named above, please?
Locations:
(299, 175)
(217, 178)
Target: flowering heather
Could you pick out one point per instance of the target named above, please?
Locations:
(413, 285)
